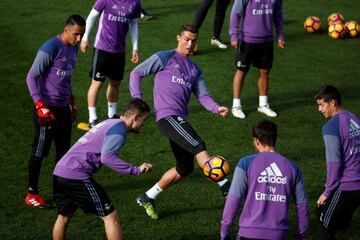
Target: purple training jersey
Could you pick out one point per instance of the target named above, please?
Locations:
(256, 19)
(176, 77)
(49, 78)
(342, 144)
(99, 146)
(265, 182)
(114, 23)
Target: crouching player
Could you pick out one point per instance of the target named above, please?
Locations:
(265, 182)
(74, 186)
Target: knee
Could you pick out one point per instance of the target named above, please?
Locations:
(111, 218)
(96, 85)
(114, 84)
(63, 220)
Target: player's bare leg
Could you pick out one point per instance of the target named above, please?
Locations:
(93, 93)
(169, 178)
(202, 157)
(263, 85)
(263, 82)
(92, 98)
(60, 226)
(112, 96)
(112, 226)
(112, 91)
(238, 85)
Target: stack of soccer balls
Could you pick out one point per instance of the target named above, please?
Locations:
(337, 28)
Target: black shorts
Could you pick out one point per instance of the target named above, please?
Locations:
(184, 141)
(107, 64)
(60, 133)
(260, 55)
(338, 210)
(86, 194)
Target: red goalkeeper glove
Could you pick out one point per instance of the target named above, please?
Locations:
(45, 116)
(72, 108)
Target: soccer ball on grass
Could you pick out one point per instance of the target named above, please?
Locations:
(352, 28)
(216, 168)
(312, 24)
(336, 30)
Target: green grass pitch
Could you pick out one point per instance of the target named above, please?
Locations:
(191, 209)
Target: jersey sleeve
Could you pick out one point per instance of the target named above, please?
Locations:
(150, 66)
(236, 195)
(301, 203)
(235, 15)
(44, 58)
(333, 150)
(203, 95)
(279, 19)
(137, 11)
(99, 5)
(113, 141)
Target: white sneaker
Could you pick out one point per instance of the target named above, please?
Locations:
(237, 112)
(267, 111)
(218, 43)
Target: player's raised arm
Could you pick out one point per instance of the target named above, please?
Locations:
(149, 66)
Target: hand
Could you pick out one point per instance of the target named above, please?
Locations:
(72, 108)
(321, 200)
(281, 43)
(223, 111)
(135, 56)
(84, 46)
(45, 117)
(234, 43)
(145, 167)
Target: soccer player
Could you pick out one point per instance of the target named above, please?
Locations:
(341, 197)
(264, 183)
(74, 186)
(49, 83)
(220, 12)
(116, 18)
(176, 77)
(255, 46)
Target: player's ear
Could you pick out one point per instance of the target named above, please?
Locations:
(178, 37)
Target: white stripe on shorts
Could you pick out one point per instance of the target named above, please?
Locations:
(95, 197)
(41, 141)
(182, 131)
(330, 210)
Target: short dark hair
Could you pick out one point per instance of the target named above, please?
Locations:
(75, 19)
(266, 132)
(188, 28)
(328, 93)
(137, 106)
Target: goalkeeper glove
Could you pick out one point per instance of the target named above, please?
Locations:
(45, 115)
(72, 108)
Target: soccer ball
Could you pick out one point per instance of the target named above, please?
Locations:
(336, 30)
(352, 28)
(335, 18)
(312, 24)
(216, 168)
